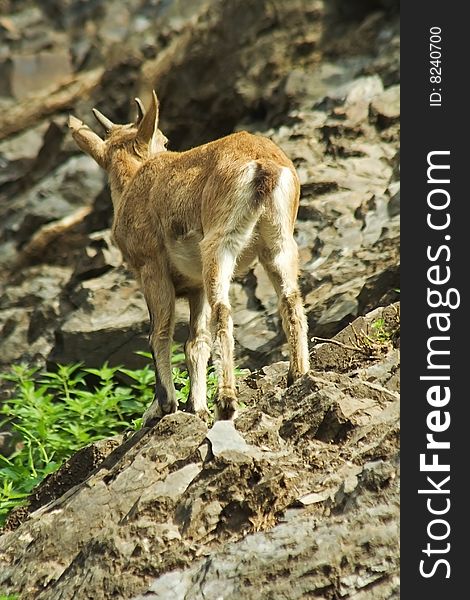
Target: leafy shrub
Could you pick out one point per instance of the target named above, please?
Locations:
(54, 414)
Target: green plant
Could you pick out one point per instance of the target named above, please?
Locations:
(381, 333)
(52, 414)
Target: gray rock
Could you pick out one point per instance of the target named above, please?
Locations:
(363, 89)
(15, 343)
(38, 285)
(24, 145)
(151, 505)
(98, 257)
(385, 109)
(73, 184)
(223, 436)
(301, 499)
(111, 325)
(22, 74)
(259, 559)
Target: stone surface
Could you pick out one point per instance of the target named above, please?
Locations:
(325, 113)
(223, 436)
(385, 109)
(22, 74)
(306, 482)
(263, 558)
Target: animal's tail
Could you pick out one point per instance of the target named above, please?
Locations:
(265, 179)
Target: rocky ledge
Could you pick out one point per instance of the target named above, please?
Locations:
(299, 497)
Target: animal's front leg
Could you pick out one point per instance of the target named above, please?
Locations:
(160, 296)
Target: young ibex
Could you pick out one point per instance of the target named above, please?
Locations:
(185, 223)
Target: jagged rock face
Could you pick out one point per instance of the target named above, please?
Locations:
(306, 485)
(300, 496)
(325, 90)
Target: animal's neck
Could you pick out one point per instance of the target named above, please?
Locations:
(122, 170)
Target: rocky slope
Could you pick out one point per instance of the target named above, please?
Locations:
(300, 499)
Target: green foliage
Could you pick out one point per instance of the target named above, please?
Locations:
(381, 333)
(54, 414)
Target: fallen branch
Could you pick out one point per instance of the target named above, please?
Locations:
(32, 110)
(49, 233)
(341, 344)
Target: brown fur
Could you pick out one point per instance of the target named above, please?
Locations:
(185, 222)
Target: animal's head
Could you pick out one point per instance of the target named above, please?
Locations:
(140, 140)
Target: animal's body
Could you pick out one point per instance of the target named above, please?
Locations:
(186, 222)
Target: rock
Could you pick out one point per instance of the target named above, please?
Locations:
(29, 310)
(337, 247)
(380, 289)
(22, 74)
(385, 109)
(261, 559)
(224, 437)
(15, 339)
(34, 286)
(355, 343)
(394, 203)
(71, 13)
(111, 325)
(73, 472)
(304, 484)
(97, 258)
(54, 197)
(151, 508)
(363, 89)
(256, 338)
(24, 145)
(343, 310)
(188, 68)
(40, 243)
(31, 111)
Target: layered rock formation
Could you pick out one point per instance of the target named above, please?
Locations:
(300, 498)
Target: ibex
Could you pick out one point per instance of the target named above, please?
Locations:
(186, 222)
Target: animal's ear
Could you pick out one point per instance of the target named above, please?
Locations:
(87, 140)
(149, 123)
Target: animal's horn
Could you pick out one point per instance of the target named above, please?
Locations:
(106, 123)
(140, 110)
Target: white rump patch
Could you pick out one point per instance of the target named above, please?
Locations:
(284, 190)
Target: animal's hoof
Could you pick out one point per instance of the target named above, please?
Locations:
(226, 408)
(155, 412)
(290, 378)
(200, 411)
(204, 415)
(293, 376)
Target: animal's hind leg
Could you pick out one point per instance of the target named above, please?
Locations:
(280, 260)
(219, 260)
(198, 349)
